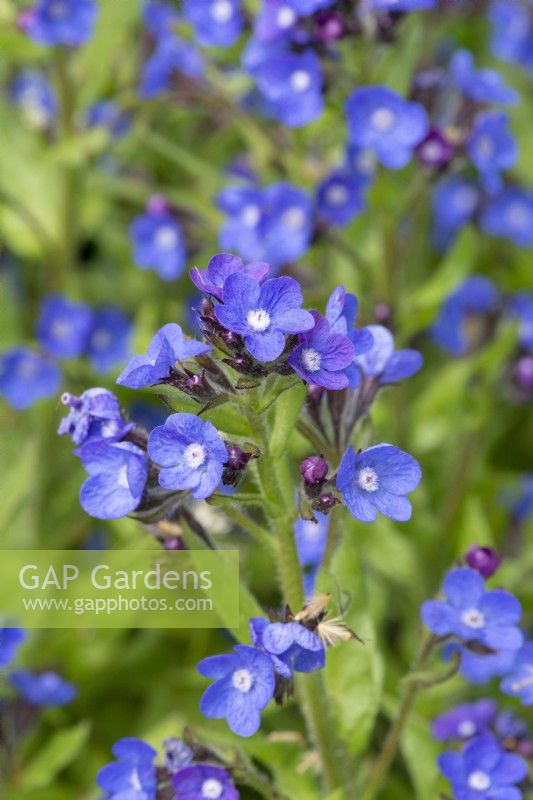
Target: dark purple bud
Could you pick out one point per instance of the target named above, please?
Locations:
(173, 543)
(245, 366)
(523, 373)
(326, 502)
(157, 204)
(525, 748)
(484, 560)
(313, 470)
(237, 458)
(382, 313)
(435, 150)
(329, 26)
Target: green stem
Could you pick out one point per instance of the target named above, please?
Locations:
(244, 522)
(392, 740)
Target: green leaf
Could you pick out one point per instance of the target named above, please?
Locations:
(287, 409)
(58, 752)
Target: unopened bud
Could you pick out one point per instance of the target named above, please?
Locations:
(329, 26)
(523, 373)
(484, 560)
(326, 502)
(313, 470)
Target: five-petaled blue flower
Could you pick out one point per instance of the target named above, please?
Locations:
(173, 56)
(43, 688)
(472, 614)
(510, 214)
(26, 377)
(204, 782)
(52, 22)
(484, 770)
(10, 641)
(340, 197)
(475, 297)
(31, 90)
(263, 314)
(191, 454)
(481, 86)
(377, 479)
(244, 686)
(217, 23)
(480, 667)
(464, 721)
(64, 326)
(382, 362)
(107, 114)
(341, 313)
(519, 682)
(322, 356)
(292, 83)
(385, 123)
(158, 243)
(290, 646)
(118, 472)
(168, 346)
(220, 267)
(454, 203)
(492, 148)
(160, 18)
(512, 32)
(133, 775)
(109, 339)
(93, 416)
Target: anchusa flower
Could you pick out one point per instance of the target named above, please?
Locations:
(211, 280)
(510, 214)
(63, 326)
(217, 23)
(178, 754)
(117, 477)
(204, 782)
(291, 646)
(512, 32)
(322, 356)
(519, 682)
(455, 201)
(461, 324)
(26, 376)
(36, 97)
(133, 774)
(94, 416)
(471, 613)
(42, 688)
(377, 480)
(292, 84)
(340, 197)
(158, 241)
(481, 667)
(481, 86)
(492, 148)
(465, 721)
(53, 22)
(10, 641)
(109, 339)
(381, 362)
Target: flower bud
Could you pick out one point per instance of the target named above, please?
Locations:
(157, 204)
(173, 543)
(313, 470)
(236, 464)
(326, 502)
(329, 26)
(523, 373)
(484, 560)
(434, 150)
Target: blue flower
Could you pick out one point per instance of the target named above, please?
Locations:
(510, 214)
(263, 314)
(63, 326)
(177, 754)
(191, 454)
(172, 56)
(360, 162)
(109, 340)
(94, 416)
(107, 114)
(290, 646)
(481, 668)
(322, 356)
(158, 243)
(168, 346)
(475, 297)
(10, 641)
(382, 361)
(492, 148)
(26, 377)
(377, 479)
(118, 472)
(385, 123)
(484, 771)
(455, 201)
(520, 309)
(340, 197)
(311, 539)
(292, 83)
(160, 18)
(52, 22)
(512, 32)
(244, 685)
(472, 614)
(133, 775)
(211, 280)
(519, 682)
(481, 86)
(217, 23)
(341, 313)
(276, 20)
(42, 689)
(34, 94)
(464, 721)
(204, 782)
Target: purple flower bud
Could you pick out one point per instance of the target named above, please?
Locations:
(484, 560)
(329, 26)
(157, 204)
(523, 373)
(382, 313)
(525, 748)
(325, 503)
(237, 458)
(434, 150)
(173, 543)
(314, 470)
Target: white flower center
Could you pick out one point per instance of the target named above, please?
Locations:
(300, 80)
(194, 455)
(166, 238)
(258, 319)
(337, 195)
(109, 428)
(466, 728)
(122, 477)
(286, 17)
(382, 119)
(311, 359)
(250, 216)
(101, 339)
(221, 10)
(135, 782)
(431, 151)
(485, 146)
(479, 781)
(242, 680)
(368, 479)
(212, 789)
(293, 218)
(518, 215)
(61, 329)
(473, 618)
